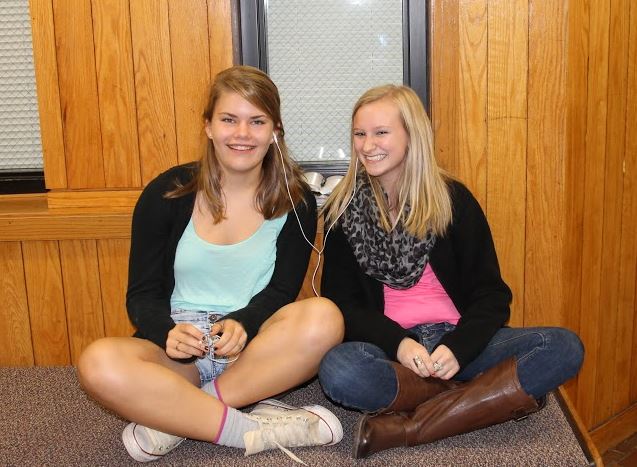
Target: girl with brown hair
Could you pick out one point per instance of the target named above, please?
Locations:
(219, 251)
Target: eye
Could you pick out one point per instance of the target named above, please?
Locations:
(227, 120)
(382, 132)
(358, 134)
(258, 122)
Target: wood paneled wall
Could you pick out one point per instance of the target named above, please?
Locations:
(62, 295)
(64, 287)
(122, 85)
(533, 102)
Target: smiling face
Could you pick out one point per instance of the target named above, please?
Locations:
(241, 134)
(380, 141)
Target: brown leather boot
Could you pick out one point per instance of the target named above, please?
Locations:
(414, 390)
(493, 397)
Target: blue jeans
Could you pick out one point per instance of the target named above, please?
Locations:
(359, 375)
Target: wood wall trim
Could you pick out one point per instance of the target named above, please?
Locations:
(108, 200)
(78, 215)
(46, 78)
(616, 429)
(65, 226)
(581, 428)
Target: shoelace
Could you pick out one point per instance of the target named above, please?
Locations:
(270, 434)
(289, 453)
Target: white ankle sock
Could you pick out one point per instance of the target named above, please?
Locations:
(234, 425)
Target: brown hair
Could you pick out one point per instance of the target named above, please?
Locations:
(272, 196)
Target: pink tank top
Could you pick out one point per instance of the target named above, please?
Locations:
(424, 303)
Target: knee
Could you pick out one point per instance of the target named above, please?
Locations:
(321, 323)
(572, 348)
(336, 373)
(358, 376)
(97, 367)
(562, 350)
(343, 369)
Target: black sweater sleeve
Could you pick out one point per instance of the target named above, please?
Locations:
(359, 297)
(148, 297)
(471, 276)
(292, 258)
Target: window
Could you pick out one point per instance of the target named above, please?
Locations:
(323, 55)
(20, 147)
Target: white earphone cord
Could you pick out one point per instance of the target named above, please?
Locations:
(319, 252)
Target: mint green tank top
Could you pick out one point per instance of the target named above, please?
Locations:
(223, 278)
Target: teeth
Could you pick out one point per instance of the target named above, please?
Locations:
(241, 148)
(376, 158)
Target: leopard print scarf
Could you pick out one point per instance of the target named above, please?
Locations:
(395, 258)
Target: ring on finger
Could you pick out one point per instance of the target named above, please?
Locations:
(418, 361)
(437, 366)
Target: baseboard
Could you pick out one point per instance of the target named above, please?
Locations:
(588, 445)
(615, 430)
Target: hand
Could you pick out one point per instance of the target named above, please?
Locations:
(414, 356)
(184, 341)
(445, 362)
(233, 337)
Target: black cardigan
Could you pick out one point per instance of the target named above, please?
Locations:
(464, 261)
(158, 224)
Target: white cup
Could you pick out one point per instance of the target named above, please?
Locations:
(315, 180)
(330, 184)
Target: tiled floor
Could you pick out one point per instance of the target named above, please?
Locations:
(622, 455)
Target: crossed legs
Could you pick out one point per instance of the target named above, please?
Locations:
(137, 380)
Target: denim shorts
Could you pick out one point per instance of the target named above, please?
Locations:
(208, 369)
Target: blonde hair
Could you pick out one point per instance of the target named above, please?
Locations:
(422, 184)
(272, 197)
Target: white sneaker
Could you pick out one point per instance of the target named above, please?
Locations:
(283, 426)
(145, 444)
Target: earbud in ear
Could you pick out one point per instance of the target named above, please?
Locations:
(274, 138)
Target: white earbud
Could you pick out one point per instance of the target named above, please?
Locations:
(298, 220)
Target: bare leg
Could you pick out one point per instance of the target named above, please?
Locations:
(137, 380)
(285, 353)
